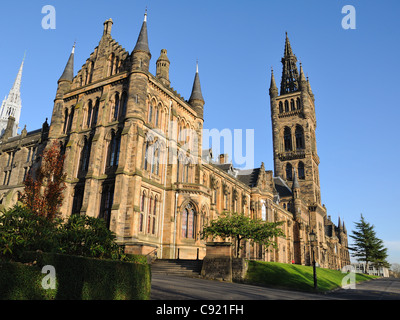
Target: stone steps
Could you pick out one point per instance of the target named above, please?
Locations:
(177, 267)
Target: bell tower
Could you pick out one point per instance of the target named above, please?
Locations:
(294, 125)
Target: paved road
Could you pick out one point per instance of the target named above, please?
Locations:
(379, 289)
(181, 288)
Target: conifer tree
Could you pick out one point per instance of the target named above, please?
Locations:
(367, 247)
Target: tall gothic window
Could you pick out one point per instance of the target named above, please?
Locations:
(292, 106)
(286, 106)
(142, 211)
(114, 150)
(70, 119)
(301, 171)
(289, 172)
(298, 103)
(107, 202)
(180, 175)
(116, 107)
(189, 222)
(124, 101)
(146, 155)
(299, 137)
(65, 121)
(149, 214)
(89, 114)
(287, 137)
(78, 199)
(280, 107)
(85, 156)
(150, 118)
(95, 113)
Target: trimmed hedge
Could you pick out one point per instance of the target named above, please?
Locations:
(78, 278)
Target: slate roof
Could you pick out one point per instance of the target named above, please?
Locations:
(282, 188)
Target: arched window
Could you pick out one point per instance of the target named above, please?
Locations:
(157, 120)
(107, 202)
(85, 156)
(89, 114)
(149, 213)
(287, 137)
(65, 121)
(301, 171)
(264, 212)
(289, 172)
(150, 118)
(154, 216)
(298, 103)
(286, 106)
(299, 137)
(189, 222)
(78, 199)
(147, 157)
(155, 166)
(292, 106)
(95, 113)
(280, 107)
(124, 102)
(114, 150)
(70, 119)
(116, 107)
(178, 169)
(142, 211)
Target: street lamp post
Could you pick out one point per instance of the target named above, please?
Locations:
(313, 238)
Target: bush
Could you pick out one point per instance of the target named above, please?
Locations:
(22, 282)
(21, 230)
(77, 278)
(88, 237)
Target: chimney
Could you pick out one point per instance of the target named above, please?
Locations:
(108, 26)
(223, 159)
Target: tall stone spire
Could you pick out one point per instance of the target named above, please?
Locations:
(12, 104)
(290, 74)
(196, 91)
(196, 99)
(141, 55)
(142, 43)
(68, 73)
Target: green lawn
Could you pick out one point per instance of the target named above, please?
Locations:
(296, 277)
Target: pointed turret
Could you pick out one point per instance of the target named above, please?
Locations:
(273, 89)
(163, 64)
(196, 99)
(309, 89)
(141, 55)
(142, 43)
(68, 74)
(290, 75)
(303, 80)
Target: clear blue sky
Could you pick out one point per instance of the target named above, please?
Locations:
(353, 74)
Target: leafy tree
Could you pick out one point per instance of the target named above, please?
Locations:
(43, 192)
(240, 227)
(367, 247)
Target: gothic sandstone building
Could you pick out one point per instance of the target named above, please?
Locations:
(132, 159)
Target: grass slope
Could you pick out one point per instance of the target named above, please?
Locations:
(296, 277)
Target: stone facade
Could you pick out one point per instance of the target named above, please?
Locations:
(132, 159)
